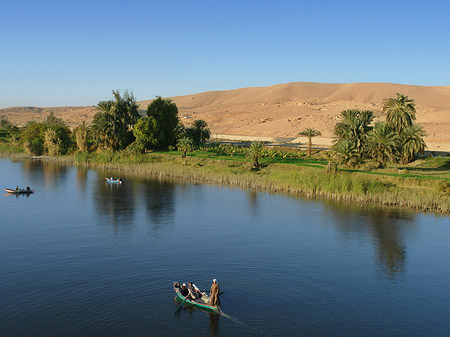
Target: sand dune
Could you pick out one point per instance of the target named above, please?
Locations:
(281, 110)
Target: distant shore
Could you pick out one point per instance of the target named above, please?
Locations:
(311, 181)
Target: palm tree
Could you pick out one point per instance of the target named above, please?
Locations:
(383, 144)
(345, 152)
(114, 122)
(412, 142)
(104, 129)
(309, 133)
(255, 151)
(184, 144)
(353, 127)
(81, 137)
(400, 112)
(201, 130)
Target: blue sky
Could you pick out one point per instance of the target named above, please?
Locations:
(55, 53)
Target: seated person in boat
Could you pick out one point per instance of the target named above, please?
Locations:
(184, 290)
(17, 188)
(194, 292)
(28, 188)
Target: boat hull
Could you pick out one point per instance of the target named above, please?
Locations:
(114, 181)
(9, 190)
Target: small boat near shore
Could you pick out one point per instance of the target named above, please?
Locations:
(202, 302)
(19, 191)
(113, 181)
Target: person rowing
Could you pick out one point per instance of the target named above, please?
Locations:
(194, 292)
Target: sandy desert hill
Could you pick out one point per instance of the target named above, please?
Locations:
(281, 110)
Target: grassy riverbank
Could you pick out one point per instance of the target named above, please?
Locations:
(11, 151)
(423, 185)
(415, 186)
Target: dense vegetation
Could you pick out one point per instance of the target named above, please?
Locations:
(397, 140)
(368, 163)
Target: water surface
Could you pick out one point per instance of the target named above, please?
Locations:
(82, 257)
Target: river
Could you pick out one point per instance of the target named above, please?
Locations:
(81, 257)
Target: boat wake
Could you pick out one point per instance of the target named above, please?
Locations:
(242, 323)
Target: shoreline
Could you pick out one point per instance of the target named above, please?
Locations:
(309, 182)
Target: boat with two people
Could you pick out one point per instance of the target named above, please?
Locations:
(18, 190)
(114, 181)
(192, 295)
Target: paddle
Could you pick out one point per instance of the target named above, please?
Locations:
(182, 303)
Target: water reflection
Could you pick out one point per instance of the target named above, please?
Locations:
(115, 203)
(253, 201)
(213, 324)
(18, 195)
(159, 199)
(191, 309)
(82, 178)
(51, 172)
(389, 235)
(388, 228)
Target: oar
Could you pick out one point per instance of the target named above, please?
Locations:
(182, 303)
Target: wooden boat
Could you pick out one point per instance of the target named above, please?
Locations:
(20, 191)
(114, 181)
(202, 302)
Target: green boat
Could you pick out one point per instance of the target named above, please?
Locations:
(202, 302)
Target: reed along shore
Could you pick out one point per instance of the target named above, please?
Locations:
(308, 181)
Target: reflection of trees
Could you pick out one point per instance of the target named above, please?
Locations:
(253, 201)
(115, 203)
(388, 232)
(52, 172)
(81, 173)
(159, 198)
(387, 226)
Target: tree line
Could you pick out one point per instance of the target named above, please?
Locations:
(118, 125)
(397, 140)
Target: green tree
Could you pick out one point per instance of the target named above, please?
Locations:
(412, 142)
(165, 114)
(113, 124)
(9, 130)
(345, 152)
(82, 137)
(184, 144)
(255, 152)
(383, 144)
(400, 112)
(201, 131)
(32, 138)
(353, 128)
(52, 144)
(146, 132)
(310, 133)
(104, 130)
